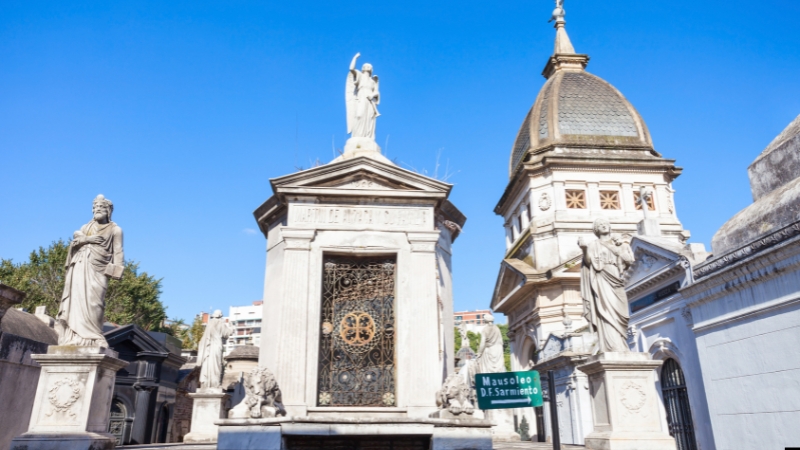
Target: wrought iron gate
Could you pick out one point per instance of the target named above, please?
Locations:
(116, 424)
(676, 402)
(357, 332)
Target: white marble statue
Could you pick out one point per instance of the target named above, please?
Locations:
(645, 196)
(490, 351)
(94, 255)
(209, 351)
(603, 289)
(362, 98)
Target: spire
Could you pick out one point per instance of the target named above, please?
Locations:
(564, 56)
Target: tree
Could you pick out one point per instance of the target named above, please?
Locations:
(193, 334)
(506, 345)
(133, 299)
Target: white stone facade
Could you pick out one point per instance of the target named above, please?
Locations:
(359, 206)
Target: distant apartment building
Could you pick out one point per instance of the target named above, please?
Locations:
(472, 320)
(246, 320)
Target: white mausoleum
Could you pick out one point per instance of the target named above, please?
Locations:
(358, 292)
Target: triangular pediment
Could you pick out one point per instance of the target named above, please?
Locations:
(359, 174)
(649, 258)
(134, 339)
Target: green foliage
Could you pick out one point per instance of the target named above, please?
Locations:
(133, 299)
(506, 345)
(457, 335)
(192, 335)
(42, 277)
(474, 340)
(524, 430)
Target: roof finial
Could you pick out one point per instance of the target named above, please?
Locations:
(564, 56)
(558, 13)
(563, 44)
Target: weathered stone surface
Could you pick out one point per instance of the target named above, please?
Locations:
(625, 404)
(778, 164)
(208, 407)
(73, 399)
(263, 396)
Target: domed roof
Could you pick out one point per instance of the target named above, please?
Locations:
(578, 108)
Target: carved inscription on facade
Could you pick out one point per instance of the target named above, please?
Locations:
(360, 216)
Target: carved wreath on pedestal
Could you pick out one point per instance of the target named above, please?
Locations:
(632, 396)
(63, 394)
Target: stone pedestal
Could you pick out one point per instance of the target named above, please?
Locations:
(73, 400)
(625, 405)
(208, 406)
(649, 227)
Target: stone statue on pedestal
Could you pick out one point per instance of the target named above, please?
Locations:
(94, 255)
(209, 351)
(362, 98)
(603, 289)
(75, 386)
(490, 351)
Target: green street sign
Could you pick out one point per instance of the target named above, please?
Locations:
(508, 390)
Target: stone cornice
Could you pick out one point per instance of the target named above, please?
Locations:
(754, 270)
(717, 264)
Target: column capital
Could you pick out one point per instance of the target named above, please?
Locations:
(297, 239)
(423, 241)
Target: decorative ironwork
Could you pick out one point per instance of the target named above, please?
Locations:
(357, 340)
(116, 424)
(676, 402)
(576, 199)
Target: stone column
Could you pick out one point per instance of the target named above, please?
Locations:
(625, 404)
(420, 372)
(73, 400)
(291, 341)
(143, 418)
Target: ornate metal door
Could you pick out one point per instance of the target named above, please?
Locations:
(116, 424)
(357, 332)
(676, 402)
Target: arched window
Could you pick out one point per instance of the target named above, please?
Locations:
(676, 402)
(116, 424)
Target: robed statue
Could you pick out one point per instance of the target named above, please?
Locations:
(603, 288)
(490, 358)
(94, 255)
(209, 351)
(362, 98)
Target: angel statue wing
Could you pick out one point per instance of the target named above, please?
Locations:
(350, 101)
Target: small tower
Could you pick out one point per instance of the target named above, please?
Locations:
(583, 152)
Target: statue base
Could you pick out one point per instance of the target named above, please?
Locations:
(73, 400)
(208, 406)
(625, 405)
(362, 146)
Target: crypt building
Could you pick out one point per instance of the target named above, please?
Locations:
(582, 152)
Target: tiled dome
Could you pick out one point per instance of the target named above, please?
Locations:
(575, 107)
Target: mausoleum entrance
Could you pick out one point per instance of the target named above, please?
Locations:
(357, 331)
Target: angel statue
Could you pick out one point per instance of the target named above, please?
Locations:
(362, 98)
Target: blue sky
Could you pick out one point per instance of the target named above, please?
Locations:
(180, 112)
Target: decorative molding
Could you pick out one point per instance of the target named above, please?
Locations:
(545, 202)
(63, 394)
(716, 264)
(632, 396)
